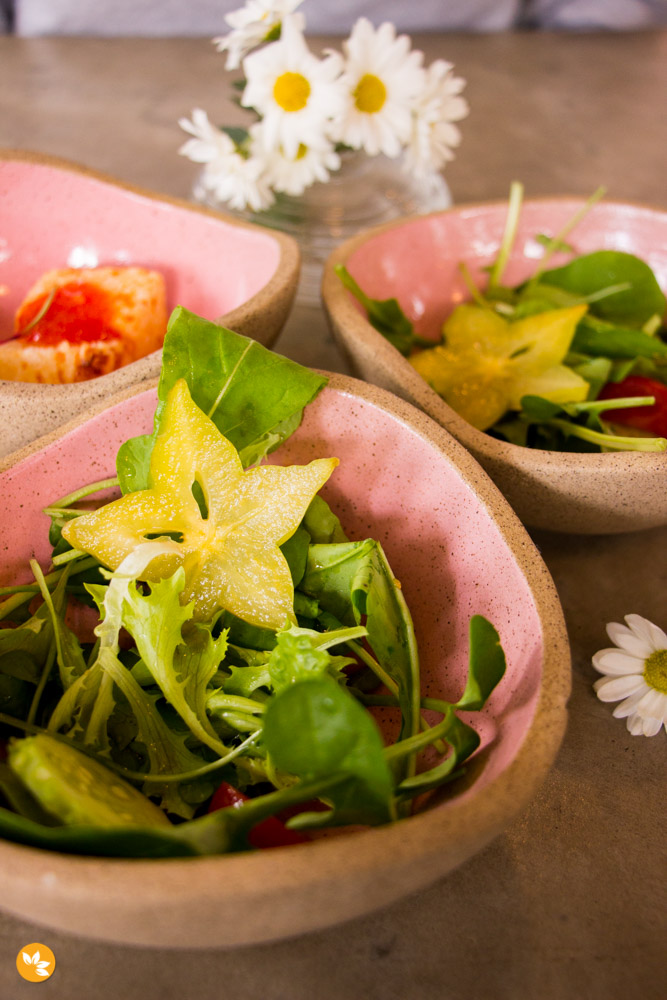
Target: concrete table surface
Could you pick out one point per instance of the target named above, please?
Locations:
(570, 901)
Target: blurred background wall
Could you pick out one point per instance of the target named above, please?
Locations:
(206, 17)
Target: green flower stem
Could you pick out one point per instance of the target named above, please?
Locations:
(475, 293)
(600, 405)
(84, 491)
(66, 557)
(509, 235)
(23, 594)
(197, 772)
(389, 701)
(39, 690)
(612, 441)
(555, 243)
(55, 646)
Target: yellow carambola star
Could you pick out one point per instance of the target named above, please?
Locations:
(230, 551)
(487, 364)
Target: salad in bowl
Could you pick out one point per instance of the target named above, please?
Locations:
(215, 651)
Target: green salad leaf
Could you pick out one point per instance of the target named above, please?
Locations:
(631, 306)
(254, 396)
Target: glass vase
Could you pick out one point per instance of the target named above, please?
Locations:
(366, 191)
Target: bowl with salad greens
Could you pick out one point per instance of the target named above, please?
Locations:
(533, 330)
(274, 652)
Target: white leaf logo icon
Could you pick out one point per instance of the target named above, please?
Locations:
(35, 962)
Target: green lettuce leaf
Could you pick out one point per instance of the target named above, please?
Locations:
(182, 666)
(254, 396)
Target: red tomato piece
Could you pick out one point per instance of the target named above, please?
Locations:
(78, 312)
(271, 832)
(645, 418)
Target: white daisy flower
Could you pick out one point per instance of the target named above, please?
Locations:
(294, 92)
(433, 136)
(258, 21)
(228, 176)
(636, 674)
(209, 143)
(293, 174)
(382, 79)
(240, 183)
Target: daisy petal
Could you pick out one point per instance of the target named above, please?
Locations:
(628, 706)
(613, 661)
(651, 726)
(615, 688)
(628, 640)
(652, 704)
(645, 629)
(635, 725)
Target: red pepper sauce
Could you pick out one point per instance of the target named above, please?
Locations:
(78, 313)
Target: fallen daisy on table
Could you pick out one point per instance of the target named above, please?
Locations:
(635, 670)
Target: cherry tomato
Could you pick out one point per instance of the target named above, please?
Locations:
(271, 832)
(644, 418)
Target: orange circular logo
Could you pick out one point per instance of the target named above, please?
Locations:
(35, 962)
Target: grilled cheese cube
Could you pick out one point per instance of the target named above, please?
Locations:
(76, 324)
(60, 364)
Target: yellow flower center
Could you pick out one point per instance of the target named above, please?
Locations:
(655, 670)
(370, 94)
(291, 91)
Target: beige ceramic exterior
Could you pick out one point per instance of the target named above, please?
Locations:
(262, 896)
(554, 491)
(31, 410)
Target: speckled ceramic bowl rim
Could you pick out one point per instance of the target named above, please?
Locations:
(264, 300)
(405, 855)
(339, 304)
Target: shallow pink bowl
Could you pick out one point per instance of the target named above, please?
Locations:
(458, 550)
(57, 214)
(416, 261)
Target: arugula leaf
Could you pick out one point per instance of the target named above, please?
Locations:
(386, 316)
(463, 741)
(486, 664)
(252, 394)
(593, 336)
(588, 273)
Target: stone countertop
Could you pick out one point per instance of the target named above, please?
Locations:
(570, 901)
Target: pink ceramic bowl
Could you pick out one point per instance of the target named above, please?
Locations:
(56, 214)
(416, 261)
(458, 550)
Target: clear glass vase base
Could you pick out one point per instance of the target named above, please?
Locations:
(365, 192)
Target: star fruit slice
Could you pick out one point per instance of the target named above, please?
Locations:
(230, 551)
(487, 364)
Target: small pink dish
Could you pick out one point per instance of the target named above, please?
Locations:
(458, 550)
(416, 261)
(56, 214)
